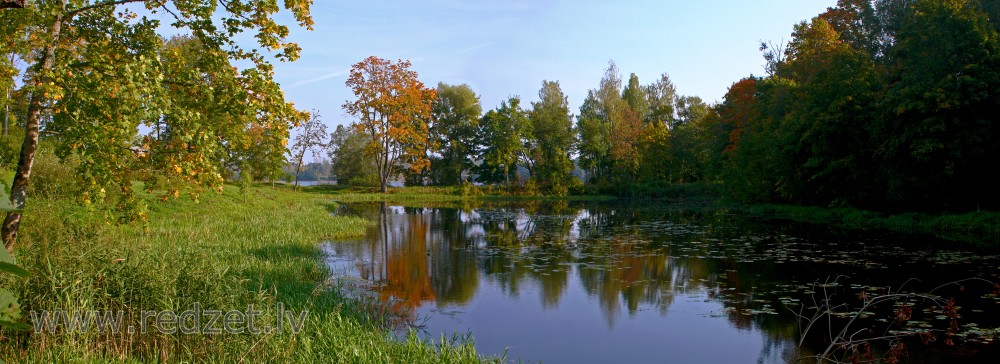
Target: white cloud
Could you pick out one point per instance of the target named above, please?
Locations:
(317, 79)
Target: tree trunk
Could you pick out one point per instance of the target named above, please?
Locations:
(383, 174)
(19, 189)
(6, 113)
(506, 176)
(298, 167)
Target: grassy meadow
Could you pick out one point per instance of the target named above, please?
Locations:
(256, 247)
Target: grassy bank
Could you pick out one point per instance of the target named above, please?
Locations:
(978, 228)
(437, 194)
(225, 253)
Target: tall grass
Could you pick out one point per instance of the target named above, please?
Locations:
(228, 252)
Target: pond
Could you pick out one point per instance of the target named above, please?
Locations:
(608, 282)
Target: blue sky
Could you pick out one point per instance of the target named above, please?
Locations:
(507, 47)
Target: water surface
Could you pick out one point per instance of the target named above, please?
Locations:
(598, 282)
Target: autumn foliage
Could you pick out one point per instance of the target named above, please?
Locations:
(393, 107)
(738, 109)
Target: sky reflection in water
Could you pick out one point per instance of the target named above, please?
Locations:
(561, 282)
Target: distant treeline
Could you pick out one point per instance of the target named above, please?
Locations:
(885, 105)
(313, 171)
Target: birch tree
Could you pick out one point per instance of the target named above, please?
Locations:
(96, 70)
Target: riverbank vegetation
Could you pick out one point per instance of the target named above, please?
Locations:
(979, 228)
(442, 194)
(885, 106)
(254, 247)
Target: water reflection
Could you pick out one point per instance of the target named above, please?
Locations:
(563, 282)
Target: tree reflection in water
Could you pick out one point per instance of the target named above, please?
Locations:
(628, 259)
(421, 255)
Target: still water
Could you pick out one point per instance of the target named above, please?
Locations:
(597, 282)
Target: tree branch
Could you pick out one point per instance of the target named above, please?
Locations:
(225, 4)
(76, 11)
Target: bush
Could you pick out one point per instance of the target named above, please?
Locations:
(469, 189)
(529, 188)
(10, 148)
(51, 176)
(246, 179)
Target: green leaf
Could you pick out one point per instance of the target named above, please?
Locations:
(5, 204)
(8, 265)
(15, 326)
(10, 311)
(5, 257)
(13, 269)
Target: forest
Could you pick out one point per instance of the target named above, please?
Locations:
(888, 105)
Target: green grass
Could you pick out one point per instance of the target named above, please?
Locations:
(436, 194)
(978, 228)
(229, 251)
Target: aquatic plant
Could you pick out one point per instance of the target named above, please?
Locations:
(885, 321)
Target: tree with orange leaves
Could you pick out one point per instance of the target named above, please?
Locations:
(392, 107)
(738, 110)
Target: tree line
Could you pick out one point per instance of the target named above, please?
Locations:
(442, 136)
(885, 105)
(888, 105)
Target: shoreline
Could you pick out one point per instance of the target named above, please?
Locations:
(981, 229)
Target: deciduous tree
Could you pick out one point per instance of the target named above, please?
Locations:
(502, 133)
(857, 23)
(392, 107)
(552, 140)
(96, 70)
(347, 154)
(662, 96)
(609, 129)
(940, 128)
(636, 98)
(738, 110)
(455, 118)
(690, 109)
(311, 138)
